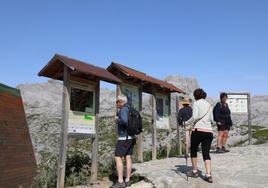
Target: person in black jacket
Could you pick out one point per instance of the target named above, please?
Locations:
(222, 116)
(185, 113)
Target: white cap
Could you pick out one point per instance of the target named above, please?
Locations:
(122, 97)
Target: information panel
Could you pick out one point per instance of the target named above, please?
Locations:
(82, 111)
(162, 108)
(132, 93)
(80, 123)
(238, 103)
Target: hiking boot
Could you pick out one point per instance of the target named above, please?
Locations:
(119, 185)
(224, 149)
(219, 150)
(128, 184)
(193, 174)
(208, 178)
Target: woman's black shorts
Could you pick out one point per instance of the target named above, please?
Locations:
(224, 127)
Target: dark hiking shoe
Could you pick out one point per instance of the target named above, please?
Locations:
(128, 184)
(208, 178)
(225, 150)
(219, 150)
(192, 174)
(119, 185)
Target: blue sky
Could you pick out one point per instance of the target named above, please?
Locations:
(224, 44)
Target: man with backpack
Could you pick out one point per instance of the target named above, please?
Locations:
(129, 125)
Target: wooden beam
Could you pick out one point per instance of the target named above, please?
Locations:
(118, 92)
(83, 80)
(94, 165)
(57, 76)
(153, 127)
(169, 131)
(249, 120)
(64, 127)
(168, 141)
(178, 136)
(140, 137)
(130, 83)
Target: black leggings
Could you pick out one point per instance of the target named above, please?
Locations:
(205, 138)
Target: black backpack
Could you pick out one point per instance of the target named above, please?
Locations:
(134, 122)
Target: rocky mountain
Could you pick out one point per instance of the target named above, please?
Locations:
(42, 98)
(188, 85)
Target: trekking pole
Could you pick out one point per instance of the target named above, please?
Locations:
(186, 148)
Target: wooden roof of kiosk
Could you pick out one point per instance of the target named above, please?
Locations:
(147, 82)
(81, 71)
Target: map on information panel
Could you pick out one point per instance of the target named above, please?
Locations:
(132, 93)
(238, 103)
(81, 123)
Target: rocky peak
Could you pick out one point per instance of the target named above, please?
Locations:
(186, 84)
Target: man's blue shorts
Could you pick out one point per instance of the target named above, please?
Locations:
(124, 147)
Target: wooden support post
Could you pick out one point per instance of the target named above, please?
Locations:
(153, 126)
(64, 127)
(170, 127)
(118, 92)
(94, 165)
(179, 146)
(140, 137)
(249, 121)
(169, 138)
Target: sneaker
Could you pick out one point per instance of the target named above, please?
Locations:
(128, 184)
(193, 174)
(224, 149)
(219, 150)
(208, 178)
(119, 185)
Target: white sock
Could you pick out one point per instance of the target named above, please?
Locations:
(126, 180)
(208, 175)
(194, 171)
(120, 181)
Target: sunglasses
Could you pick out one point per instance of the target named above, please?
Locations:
(118, 101)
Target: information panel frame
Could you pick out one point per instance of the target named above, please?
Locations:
(82, 124)
(238, 102)
(241, 104)
(162, 111)
(132, 93)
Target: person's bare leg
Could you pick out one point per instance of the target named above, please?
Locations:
(208, 167)
(194, 163)
(220, 138)
(188, 138)
(119, 167)
(225, 137)
(129, 167)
